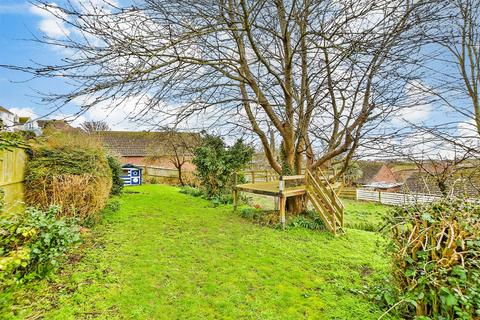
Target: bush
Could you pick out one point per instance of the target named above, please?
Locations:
(308, 220)
(191, 191)
(117, 172)
(71, 171)
(436, 260)
(32, 244)
(216, 163)
(259, 216)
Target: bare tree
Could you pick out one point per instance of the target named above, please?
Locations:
(462, 43)
(178, 146)
(322, 75)
(182, 146)
(452, 73)
(442, 171)
(94, 126)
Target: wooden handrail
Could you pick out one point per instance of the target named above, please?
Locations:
(325, 200)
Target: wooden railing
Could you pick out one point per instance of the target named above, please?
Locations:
(325, 201)
(253, 176)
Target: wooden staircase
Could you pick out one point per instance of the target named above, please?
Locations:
(325, 200)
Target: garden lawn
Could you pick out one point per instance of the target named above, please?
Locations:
(359, 215)
(166, 255)
(364, 215)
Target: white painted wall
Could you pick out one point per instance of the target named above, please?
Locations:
(9, 120)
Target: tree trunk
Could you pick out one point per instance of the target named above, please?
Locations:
(180, 179)
(296, 205)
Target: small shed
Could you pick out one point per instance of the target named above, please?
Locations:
(132, 175)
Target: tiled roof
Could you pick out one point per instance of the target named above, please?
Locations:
(369, 171)
(143, 144)
(56, 124)
(421, 182)
(2, 109)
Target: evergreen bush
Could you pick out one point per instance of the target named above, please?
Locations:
(116, 169)
(216, 163)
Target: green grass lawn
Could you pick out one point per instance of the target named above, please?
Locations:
(364, 215)
(360, 215)
(166, 255)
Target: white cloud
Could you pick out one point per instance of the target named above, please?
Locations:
(24, 112)
(119, 115)
(414, 114)
(468, 134)
(50, 23)
(418, 107)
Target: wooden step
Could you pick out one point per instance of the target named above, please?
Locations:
(326, 202)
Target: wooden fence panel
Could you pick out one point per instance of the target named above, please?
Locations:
(348, 193)
(153, 174)
(12, 175)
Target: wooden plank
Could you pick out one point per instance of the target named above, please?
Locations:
(283, 204)
(297, 177)
(291, 192)
(235, 199)
(258, 191)
(320, 212)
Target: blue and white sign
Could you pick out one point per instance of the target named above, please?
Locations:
(132, 175)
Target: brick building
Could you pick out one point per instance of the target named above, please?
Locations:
(151, 148)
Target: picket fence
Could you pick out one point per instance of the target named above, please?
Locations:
(391, 198)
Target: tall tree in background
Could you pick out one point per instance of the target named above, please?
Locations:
(93, 126)
(322, 75)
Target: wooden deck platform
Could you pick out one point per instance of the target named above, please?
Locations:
(271, 188)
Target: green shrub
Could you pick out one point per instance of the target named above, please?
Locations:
(117, 172)
(113, 205)
(9, 140)
(216, 163)
(250, 213)
(308, 220)
(191, 191)
(69, 170)
(435, 252)
(222, 199)
(32, 244)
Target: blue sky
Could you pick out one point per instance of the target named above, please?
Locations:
(19, 23)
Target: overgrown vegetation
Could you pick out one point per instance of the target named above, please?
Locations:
(32, 244)
(435, 252)
(10, 140)
(216, 163)
(308, 220)
(260, 216)
(70, 170)
(116, 169)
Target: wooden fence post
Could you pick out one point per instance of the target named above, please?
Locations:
(235, 192)
(283, 201)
